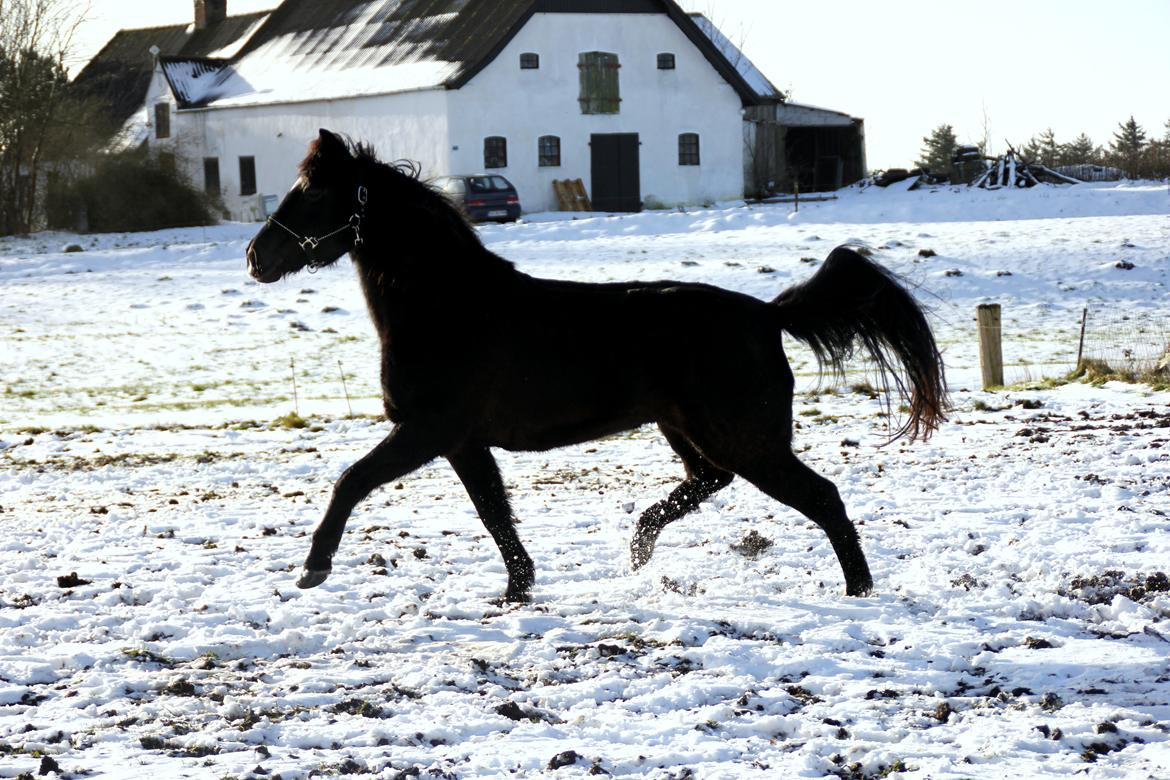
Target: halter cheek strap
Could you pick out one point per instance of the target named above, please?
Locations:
(309, 243)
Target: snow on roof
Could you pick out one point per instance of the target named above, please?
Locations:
(344, 60)
(329, 49)
(192, 80)
(118, 77)
(254, 81)
(803, 114)
(750, 73)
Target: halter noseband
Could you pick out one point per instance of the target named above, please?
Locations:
(310, 243)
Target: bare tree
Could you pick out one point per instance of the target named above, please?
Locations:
(986, 144)
(35, 38)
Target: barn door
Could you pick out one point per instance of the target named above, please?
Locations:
(616, 176)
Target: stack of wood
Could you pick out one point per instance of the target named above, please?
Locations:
(1013, 170)
(571, 195)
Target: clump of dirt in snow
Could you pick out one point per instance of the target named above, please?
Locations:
(752, 544)
(1101, 588)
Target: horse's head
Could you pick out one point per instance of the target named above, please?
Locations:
(319, 220)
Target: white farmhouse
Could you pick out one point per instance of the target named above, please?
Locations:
(643, 102)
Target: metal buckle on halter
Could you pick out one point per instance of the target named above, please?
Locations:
(356, 219)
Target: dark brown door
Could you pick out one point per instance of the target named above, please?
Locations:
(616, 177)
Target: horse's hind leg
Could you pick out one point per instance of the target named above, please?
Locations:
(479, 473)
(703, 480)
(404, 450)
(783, 477)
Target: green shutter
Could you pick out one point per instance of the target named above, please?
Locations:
(600, 87)
(610, 93)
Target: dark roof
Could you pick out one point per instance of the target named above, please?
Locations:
(119, 75)
(445, 43)
(467, 33)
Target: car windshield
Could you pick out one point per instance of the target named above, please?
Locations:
(488, 184)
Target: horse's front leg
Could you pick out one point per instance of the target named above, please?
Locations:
(478, 472)
(406, 448)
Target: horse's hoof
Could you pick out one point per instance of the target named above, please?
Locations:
(859, 588)
(311, 578)
(517, 597)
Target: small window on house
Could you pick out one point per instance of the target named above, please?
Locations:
(600, 88)
(247, 175)
(549, 147)
(529, 61)
(495, 152)
(211, 176)
(666, 61)
(162, 120)
(688, 149)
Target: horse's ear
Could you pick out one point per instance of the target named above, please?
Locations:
(329, 144)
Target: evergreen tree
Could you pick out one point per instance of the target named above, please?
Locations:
(1128, 144)
(938, 149)
(1156, 160)
(1042, 149)
(1080, 151)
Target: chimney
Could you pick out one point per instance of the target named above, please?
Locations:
(209, 13)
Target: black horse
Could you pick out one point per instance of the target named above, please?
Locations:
(476, 354)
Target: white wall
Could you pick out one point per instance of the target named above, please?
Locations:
(410, 125)
(522, 105)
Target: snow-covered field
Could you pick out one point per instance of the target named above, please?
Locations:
(153, 516)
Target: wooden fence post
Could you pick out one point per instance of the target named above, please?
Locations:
(990, 344)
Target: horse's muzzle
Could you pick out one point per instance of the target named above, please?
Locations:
(256, 268)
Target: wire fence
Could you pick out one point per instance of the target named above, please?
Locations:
(1126, 343)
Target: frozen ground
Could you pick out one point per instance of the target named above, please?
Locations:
(154, 516)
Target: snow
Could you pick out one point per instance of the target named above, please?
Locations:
(195, 81)
(297, 68)
(1018, 628)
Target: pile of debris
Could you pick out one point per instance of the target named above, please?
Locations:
(1014, 170)
(971, 167)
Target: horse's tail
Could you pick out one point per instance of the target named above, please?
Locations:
(852, 299)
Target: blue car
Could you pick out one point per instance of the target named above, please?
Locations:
(484, 197)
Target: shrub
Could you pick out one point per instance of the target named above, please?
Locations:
(129, 191)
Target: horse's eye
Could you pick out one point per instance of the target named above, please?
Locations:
(314, 193)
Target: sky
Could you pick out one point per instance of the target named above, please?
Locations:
(1001, 69)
